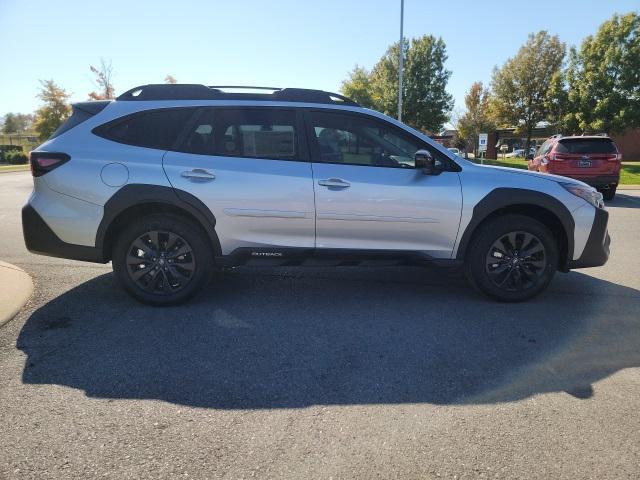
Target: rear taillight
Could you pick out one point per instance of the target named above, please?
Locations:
(43, 162)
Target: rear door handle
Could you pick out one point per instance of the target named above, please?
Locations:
(334, 182)
(198, 173)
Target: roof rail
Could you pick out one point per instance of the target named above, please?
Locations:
(184, 91)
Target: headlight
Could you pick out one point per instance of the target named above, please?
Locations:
(588, 194)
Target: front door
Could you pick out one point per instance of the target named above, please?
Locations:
(368, 193)
(249, 167)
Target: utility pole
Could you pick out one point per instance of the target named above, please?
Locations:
(400, 61)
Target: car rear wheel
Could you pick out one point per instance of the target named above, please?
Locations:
(512, 258)
(162, 260)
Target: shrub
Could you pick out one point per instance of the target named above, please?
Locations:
(15, 157)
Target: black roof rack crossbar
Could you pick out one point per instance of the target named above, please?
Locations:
(184, 91)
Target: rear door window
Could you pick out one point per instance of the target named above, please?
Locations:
(586, 145)
(544, 148)
(244, 132)
(152, 128)
(256, 133)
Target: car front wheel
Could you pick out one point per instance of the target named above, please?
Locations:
(512, 258)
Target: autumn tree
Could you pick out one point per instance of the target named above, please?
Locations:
(520, 87)
(103, 75)
(603, 78)
(54, 111)
(476, 118)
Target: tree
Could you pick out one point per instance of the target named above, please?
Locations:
(557, 103)
(170, 79)
(520, 87)
(425, 100)
(10, 123)
(476, 119)
(357, 87)
(55, 110)
(103, 81)
(17, 123)
(604, 78)
(384, 80)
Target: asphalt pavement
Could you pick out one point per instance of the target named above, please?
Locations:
(321, 373)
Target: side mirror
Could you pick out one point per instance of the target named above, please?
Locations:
(425, 161)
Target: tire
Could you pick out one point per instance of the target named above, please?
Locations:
(513, 277)
(609, 193)
(163, 259)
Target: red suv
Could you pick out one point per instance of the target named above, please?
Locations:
(594, 160)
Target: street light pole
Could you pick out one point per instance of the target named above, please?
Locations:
(400, 62)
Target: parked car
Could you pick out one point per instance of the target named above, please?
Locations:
(519, 152)
(455, 151)
(169, 182)
(594, 160)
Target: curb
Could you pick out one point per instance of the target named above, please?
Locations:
(16, 288)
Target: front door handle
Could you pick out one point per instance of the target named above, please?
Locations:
(198, 174)
(334, 182)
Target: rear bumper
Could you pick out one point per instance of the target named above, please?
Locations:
(596, 251)
(596, 180)
(40, 239)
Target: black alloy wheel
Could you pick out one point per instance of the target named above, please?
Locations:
(161, 262)
(516, 261)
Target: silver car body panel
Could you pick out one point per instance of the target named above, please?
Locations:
(274, 203)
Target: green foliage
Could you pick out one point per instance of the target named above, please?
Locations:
(557, 103)
(477, 118)
(520, 87)
(384, 80)
(56, 108)
(15, 157)
(426, 103)
(357, 87)
(426, 100)
(604, 78)
(16, 123)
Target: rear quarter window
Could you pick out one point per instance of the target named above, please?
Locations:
(586, 145)
(152, 128)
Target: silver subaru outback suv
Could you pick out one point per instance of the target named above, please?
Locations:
(170, 182)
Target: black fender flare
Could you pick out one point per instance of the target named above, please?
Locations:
(132, 195)
(501, 198)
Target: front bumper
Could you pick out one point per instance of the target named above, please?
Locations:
(596, 251)
(40, 239)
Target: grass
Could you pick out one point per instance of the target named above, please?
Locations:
(14, 168)
(630, 174)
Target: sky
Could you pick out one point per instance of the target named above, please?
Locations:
(275, 43)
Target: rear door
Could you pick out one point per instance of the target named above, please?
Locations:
(368, 193)
(250, 167)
